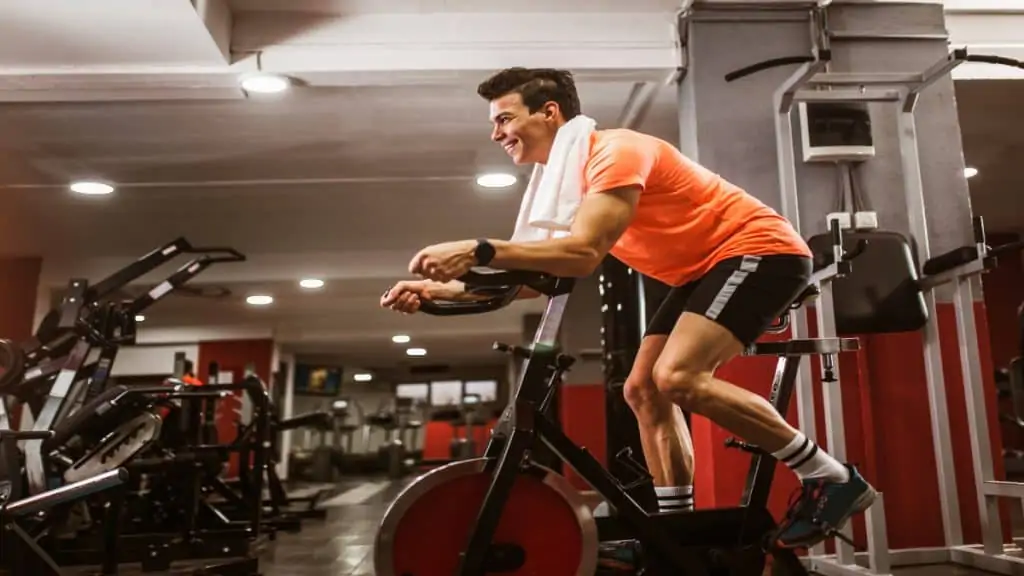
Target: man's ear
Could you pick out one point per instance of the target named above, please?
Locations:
(551, 110)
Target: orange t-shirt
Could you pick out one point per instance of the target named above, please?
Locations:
(688, 218)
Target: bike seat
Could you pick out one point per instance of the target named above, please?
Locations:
(810, 293)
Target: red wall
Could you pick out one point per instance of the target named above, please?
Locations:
(582, 412)
(233, 356)
(1004, 293)
(19, 282)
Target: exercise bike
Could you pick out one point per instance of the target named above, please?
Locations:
(505, 514)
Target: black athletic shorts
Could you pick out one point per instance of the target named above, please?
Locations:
(745, 294)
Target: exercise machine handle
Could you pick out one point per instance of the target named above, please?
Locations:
(773, 63)
(27, 435)
(67, 493)
(993, 59)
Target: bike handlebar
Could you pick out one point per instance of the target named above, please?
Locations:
(501, 285)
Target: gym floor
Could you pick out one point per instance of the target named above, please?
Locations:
(342, 545)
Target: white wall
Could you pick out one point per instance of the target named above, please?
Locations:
(146, 360)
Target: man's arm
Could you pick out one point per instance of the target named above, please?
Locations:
(600, 221)
(455, 291)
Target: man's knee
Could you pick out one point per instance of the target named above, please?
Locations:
(686, 383)
(640, 392)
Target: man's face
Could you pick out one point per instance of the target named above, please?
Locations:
(526, 137)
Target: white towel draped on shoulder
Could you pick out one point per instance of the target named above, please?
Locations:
(556, 190)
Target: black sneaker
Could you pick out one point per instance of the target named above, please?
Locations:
(821, 508)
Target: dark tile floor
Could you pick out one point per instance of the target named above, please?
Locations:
(341, 545)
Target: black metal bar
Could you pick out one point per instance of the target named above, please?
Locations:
(471, 561)
(28, 557)
(762, 466)
(181, 276)
(112, 532)
(101, 372)
(584, 463)
(774, 63)
(139, 268)
(71, 305)
(261, 418)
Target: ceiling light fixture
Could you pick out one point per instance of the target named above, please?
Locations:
(311, 283)
(416, 352)
(970, 172)
(362, 377)
(91, 188)
(140, 318)
(260, 300)
(495, 180)
(400, 339)
(262, 83)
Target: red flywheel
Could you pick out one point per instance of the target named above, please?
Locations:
(545, 521)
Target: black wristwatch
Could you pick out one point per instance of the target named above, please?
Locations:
(484, 252)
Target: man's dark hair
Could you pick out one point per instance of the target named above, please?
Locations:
(537, 86)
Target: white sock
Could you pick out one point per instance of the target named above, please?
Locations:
(674, 498)
(808, 461)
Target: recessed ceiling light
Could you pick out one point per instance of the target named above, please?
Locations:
(362, 377)
(91, 188)
(416, 352)
(970, 172)
(400, 339)
(311, 283)
(495, 180)
(140, 318)
(265, 83)
(260, 300)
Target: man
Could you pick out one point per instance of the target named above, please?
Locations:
(734, 264)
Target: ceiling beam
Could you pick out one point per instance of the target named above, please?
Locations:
(369, 50)
(994, 27)
(216, 17)
(453, 47)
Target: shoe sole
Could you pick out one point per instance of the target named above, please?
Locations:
(862, 503)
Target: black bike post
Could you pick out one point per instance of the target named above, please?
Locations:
(540, 362)
(528, 398)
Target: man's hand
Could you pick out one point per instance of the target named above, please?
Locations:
(444, 262)
(406, 296)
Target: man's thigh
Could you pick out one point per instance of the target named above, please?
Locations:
(727, 309)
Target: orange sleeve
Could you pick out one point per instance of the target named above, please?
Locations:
(617, 161)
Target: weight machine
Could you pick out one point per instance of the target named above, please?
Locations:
(812, 82)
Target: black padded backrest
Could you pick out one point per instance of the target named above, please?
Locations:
(83, 418)
(881, 294)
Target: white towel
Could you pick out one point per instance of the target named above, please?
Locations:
(556, 189)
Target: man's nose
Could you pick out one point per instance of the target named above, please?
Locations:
(497, 134)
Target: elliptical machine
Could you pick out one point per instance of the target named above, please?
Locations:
(505, 513)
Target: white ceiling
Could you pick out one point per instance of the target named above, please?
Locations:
(422, 6)
(342, 178)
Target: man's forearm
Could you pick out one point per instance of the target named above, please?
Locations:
(455, 291)
(559, 257)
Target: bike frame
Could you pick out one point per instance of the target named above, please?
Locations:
(525, 422)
